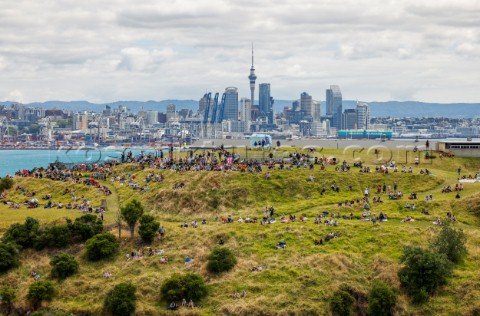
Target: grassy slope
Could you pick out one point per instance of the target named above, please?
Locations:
(299, 279)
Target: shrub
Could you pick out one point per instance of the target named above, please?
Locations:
(189, 286)
(5, 184)
(8, 257)
(39, 291)
(423, 272)
(381, 299)
(120, 301)
(22, 234)
(148, 227)
(85, 227)
(57, 236)
(101, 246)
(131, 214)
(8, 295)
(341, 303)
(63, 265)
(451, 242)
(221, 259)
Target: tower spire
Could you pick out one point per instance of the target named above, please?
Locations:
(252, 54)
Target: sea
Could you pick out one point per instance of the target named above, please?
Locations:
(13, 160)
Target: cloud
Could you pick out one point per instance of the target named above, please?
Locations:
(142, 60)
(126, 49)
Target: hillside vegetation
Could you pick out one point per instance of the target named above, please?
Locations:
(297, 280)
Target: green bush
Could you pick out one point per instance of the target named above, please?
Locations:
(189, 286)
(85, 227)
(39, 291)
(423, 272)
(8, 295)
(381, 299)
(101, 246)
(341, 303)
(120, 301)
(148, 227)
(451, 242)
(221, 259)
(5, 184)
(63, 265)
(8, 257)
(22, 234)
(57, 236)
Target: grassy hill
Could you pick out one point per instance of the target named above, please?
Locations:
(298, 280)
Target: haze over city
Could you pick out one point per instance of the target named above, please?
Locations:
(126, 50)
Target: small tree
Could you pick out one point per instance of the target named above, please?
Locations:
(131, 214)
(120, 301)
(8, 257)
(381, 299)
(63, 265)
(8, 296)
(451, 242)
(148, 227)
(221, 259)
(423, 272)
(189, 286)
(101, 246)
(341, 303)
(39, 291)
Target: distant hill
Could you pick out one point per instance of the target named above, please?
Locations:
(377, 109)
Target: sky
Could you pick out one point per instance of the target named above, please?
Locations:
(109, 50)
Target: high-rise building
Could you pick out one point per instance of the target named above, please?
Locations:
(349, 119)
(363, 116)
(306, 106)
(265, 102)
(171, 112)
(334, 105)
(252, 77)
(316, 111)
(230, 111)
(245, 110)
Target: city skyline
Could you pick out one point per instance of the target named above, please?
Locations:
(375, 50)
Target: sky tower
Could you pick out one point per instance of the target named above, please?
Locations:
(252, 78)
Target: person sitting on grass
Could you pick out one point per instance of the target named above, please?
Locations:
(190, 304)
(407, 219)
(173, 306)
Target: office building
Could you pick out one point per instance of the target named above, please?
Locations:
(316, 111)
(334, 105)
(306, 106)
(230, 111)
(171, 112)
(349, 119)
(265, 102)
(363, 116)
(245, 110)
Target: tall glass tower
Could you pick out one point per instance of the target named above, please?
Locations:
(334, 105)
(231, 104)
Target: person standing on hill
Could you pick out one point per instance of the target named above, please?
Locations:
(459, 171)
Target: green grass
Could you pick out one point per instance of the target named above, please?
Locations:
(297, 280)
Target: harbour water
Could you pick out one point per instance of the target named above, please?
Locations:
(14, 160)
